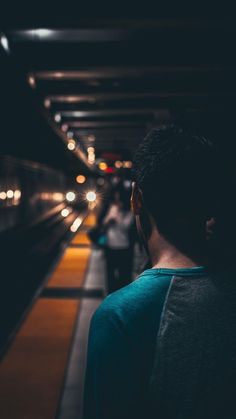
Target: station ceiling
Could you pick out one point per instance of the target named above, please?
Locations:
(108, 81)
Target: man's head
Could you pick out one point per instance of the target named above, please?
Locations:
(174, 182)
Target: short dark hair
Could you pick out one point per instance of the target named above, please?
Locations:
(176, 171)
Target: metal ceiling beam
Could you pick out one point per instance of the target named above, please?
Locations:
(104, 124)
(113, 112)
(109, 96)
(121, 72)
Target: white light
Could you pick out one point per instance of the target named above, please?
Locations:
(58, 75)
(3, 195)
(42, 33)
(47, 103)
(4, 42)
(90, 150)
(70, 196)
(91, 196)
(10, 194)
(76, 225)
(57, 117)
(65, 212)
(31, 81)
(71, 145)
(17, 194)
(91, 156)
(70, 134)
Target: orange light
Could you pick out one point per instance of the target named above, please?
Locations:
(118, 164)
(102, 165)
(80, 179)
(127, 164)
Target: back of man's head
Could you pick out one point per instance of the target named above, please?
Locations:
(176, 172)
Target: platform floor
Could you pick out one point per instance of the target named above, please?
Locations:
(41, 375)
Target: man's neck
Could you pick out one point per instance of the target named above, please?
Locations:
(165, 255)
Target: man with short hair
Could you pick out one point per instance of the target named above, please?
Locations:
(164, 346)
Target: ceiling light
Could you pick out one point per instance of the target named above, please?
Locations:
(47, 103)
(10, 194)
(57, 117)
(31, 81)
(4, 42)
(58, 75)
(42, 33)
(71, 145)
(3, 195)
(17, 194)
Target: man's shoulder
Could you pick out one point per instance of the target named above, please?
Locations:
(137, 301)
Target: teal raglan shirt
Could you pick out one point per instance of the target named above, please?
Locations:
(121, 346)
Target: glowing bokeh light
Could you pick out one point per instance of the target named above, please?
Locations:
(118, 164)
(80, 179)
(17, 194)
(91, 196)
(65, 212)
(4, 42)
(10, 194)
(102, 165)
(47, 103)
(71, 144)
(75, 225)
(70, 196)
(3, 195)
(31, 81)
(57, 117)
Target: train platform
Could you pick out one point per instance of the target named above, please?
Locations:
(42, 373)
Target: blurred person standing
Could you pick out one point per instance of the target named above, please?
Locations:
(118, 223)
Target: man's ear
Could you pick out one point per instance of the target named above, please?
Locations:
(136, 199)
